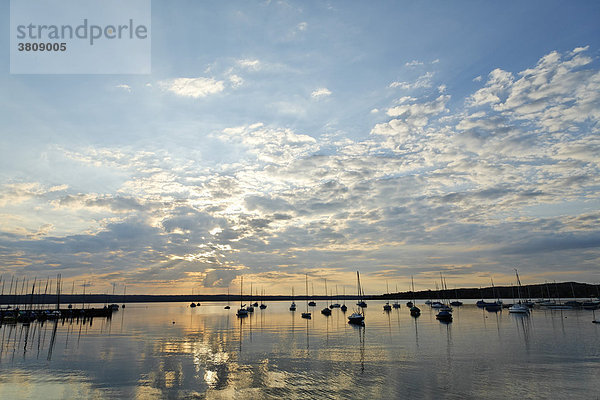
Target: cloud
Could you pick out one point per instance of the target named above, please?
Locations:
(320, 92)
(414, 63)
(250, 64)
(471, 185)
(124, 87)
(236, 80)
(424, 81)
(193, 87)
(558, 94)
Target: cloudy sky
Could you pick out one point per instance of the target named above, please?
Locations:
(276, 138)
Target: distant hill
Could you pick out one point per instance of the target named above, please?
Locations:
(545, 290)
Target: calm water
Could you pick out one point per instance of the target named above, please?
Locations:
(209, 353)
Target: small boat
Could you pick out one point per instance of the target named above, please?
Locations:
(518, 308)
(409, 304)
(335, 305)
(306, 314)
(326, 311)
(193, 305)
(493, 307)
(198, 304)
(361, 303)
(262, 304)
(242, 312)
(387, 306)
(456, 303)
(343, 307)
(293, 305)
(436, 304)
(250, 308)
(444, 315)
(227, 307)
(396, 305)
(445, 307)
(414, 310)
(356, 318)
(312, 303)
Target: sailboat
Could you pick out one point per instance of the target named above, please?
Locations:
(518, 308)
(387, 306)
(262, 304)
(250, 308)
(495, 305)
(326, 311)
(312, 302)
(357, 317)
(344, 308)
(445, 314)
(227, 307)
(396, 304)
(293, 305)
(414, 310)
(361, 303)
(456, 303)
(306, 314)
(192, 304)
(336, 304)
(242, 312)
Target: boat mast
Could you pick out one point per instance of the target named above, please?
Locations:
(241, 294)
(519, 284)
(306, 277)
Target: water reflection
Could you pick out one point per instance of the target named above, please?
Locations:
(209, 353)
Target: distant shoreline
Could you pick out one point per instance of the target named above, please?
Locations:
(545, 290)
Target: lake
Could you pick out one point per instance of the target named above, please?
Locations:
(172, 351)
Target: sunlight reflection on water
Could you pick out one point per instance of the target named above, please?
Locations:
(209, 353)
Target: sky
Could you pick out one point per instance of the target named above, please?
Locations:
(275, 139)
